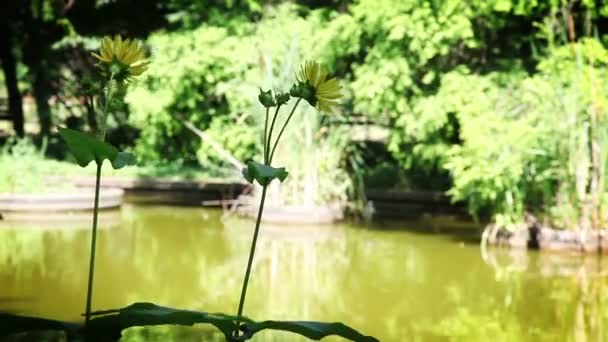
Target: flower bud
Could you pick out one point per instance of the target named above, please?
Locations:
(282, 98)
(266, 98)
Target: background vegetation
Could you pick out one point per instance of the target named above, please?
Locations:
(501, 103)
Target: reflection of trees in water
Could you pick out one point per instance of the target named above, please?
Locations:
(19, 248)
(43, 265)
(574, 287)
(385, 282)
(24, 265)
(291, 277)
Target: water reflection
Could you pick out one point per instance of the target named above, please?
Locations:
(397, 281)
(574, 284)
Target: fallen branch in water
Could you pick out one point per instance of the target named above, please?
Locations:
(215, 145)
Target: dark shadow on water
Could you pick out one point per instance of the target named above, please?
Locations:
(14, 299)
(455, 228)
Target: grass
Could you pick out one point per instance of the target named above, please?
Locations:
(23, 169)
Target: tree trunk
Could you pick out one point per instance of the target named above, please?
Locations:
(9, 67)
(36, 55)
(42, 94)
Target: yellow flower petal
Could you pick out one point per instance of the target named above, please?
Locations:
(326, 92)
(128, 54)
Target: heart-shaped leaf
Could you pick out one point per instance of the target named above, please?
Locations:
(262, 173)
(309, 329)
(86, 148)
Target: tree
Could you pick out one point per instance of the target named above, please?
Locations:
(9, 67)
(31, 27)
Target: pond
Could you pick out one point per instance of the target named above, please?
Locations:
(424, 281)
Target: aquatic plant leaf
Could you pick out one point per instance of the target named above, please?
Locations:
(14, 324)
(309, 329)
(87, 147)
(111, 323)
(262, 173)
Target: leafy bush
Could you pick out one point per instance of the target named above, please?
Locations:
(458, 83)
(23, 167)
(210, 76)
(526, 145)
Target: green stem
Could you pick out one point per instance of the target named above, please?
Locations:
(274, 119)
(266, 147)
(96, 206)
(239, 315)
(93, 245)
(276, 143)
(105, 107)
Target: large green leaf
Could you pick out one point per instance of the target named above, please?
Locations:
(108, 325)
(312, 330)
(264, 174)
(86, 148)
(13, 324)
(111, 323)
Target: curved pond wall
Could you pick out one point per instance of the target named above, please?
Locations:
(78, 200)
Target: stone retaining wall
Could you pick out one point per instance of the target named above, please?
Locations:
(545, 238)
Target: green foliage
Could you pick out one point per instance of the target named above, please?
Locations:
(383, 175)
(464, 108)
(191, 13)
(186, 81)
(525, 140)
(23, 167)
(394, 52)
(210, 76)
(19, 168)
(234, 137)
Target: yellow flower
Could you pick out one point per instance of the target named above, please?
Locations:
(123, 58)
(324, 93)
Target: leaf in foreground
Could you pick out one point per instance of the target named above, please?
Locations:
(111, 323)
(310, 329)
(262, 173)
(108, 325)
(87, 147)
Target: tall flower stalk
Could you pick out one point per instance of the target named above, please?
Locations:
(311, 85)
(119, 61)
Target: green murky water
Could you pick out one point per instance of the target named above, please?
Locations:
(396, 281)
